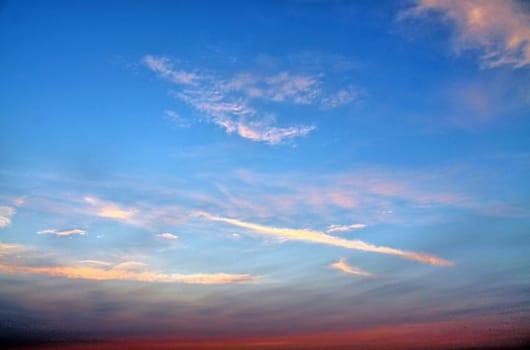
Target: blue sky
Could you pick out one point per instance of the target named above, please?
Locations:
(248, 165)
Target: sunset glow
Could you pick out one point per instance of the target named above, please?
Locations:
(263, 174)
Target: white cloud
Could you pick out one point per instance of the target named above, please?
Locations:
(165, 68)
(6, 215)
(498, 29)
(167, 235)
(63, 232)
(344, 228)
(229, 102)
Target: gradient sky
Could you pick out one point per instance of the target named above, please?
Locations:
(290, 171)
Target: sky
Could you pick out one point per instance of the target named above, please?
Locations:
(265, 174)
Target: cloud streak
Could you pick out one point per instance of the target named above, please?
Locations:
(322, 238)
(63, 232)
(106, 271)
(499, 29)
(99, 274)
(343, 266)
(344, 228)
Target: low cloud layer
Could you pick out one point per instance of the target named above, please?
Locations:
(106, 271)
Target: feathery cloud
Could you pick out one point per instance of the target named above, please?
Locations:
(228, 102)
(6, 215)
(344, 228)
(322, 238)
(176, 119)
(342, 265)
(165, 68)
(63, 232)
(499, 29)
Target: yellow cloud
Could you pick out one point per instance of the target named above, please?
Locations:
(126, 273)
(322, 238)
(110, 210)
(342, 265)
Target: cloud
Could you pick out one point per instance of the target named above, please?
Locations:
(165, 68)
(62, 233)
(20, 201)
(499, 29)
(6, 215)
(11, 249)
(121, 274)
(95, 262)
(167, 235)
(105, 271)
(229, 102)
(322, 238)
(176, 119)
(344, 228)
(342, 265)
(109, 209)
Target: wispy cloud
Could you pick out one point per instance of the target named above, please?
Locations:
(103, 270)
(62, 232)
(342, 265)
(229, 102)
(344, 228)
(7, 249)
(499, 29)
(165, 68)
(109, 210)
(322, 238)
(167, 235)
(177, 119)
(6, 215)
(120, 274)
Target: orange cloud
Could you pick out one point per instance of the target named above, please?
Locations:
(322, 238)
(342, 265)
(126, 272)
